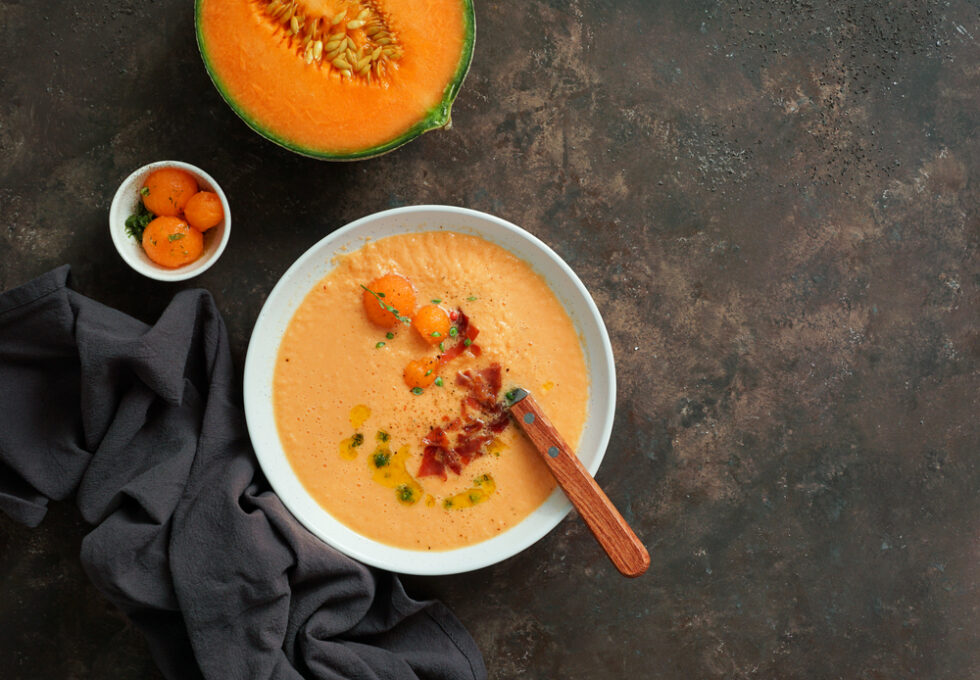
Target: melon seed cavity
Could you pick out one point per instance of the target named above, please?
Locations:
(355, 40)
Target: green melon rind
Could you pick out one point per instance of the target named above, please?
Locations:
(437, 117)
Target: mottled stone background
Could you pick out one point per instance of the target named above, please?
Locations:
(775, 205)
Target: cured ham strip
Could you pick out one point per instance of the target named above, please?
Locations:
(482, 417)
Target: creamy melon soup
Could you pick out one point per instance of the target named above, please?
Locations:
(437, 466)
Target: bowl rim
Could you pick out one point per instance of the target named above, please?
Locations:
(258, 403)
(134, 257)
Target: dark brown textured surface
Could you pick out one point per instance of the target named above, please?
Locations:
(775, 206)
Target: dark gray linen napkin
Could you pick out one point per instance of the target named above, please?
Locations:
(144, 426)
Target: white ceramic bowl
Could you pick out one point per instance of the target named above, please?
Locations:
(125, 203)
(300, 278)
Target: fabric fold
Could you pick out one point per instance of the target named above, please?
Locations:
(143, 424)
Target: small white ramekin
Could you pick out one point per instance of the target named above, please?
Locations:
(126, 202)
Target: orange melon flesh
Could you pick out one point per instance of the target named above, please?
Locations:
(311, 107)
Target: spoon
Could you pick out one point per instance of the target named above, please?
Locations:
(622, 546)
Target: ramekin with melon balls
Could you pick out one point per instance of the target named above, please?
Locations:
(168, 187)
(176, 213)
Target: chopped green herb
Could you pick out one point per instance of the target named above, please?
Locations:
(145, 191)
(406, 493)
(435, 301)
(390, 335)
(382, 436)
(174, 237)
(379, 345)
(381, 458)
(453, 332)
(438, 382)
(136, 223)
(472, 298)
(435, 334)
(357, 439)
(442, 347)
(417, 390)
(448, 503)
(429, 372)
(467, 342)
(474, 498)
(404, 319)
(509, 396)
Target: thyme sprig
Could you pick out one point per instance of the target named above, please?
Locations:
(384, 305)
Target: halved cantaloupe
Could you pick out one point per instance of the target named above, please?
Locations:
(338, 79)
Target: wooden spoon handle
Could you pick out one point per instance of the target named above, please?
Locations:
(607, 525)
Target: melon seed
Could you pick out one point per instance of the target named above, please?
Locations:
(326, 39)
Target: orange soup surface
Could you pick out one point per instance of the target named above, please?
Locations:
(378, 455)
